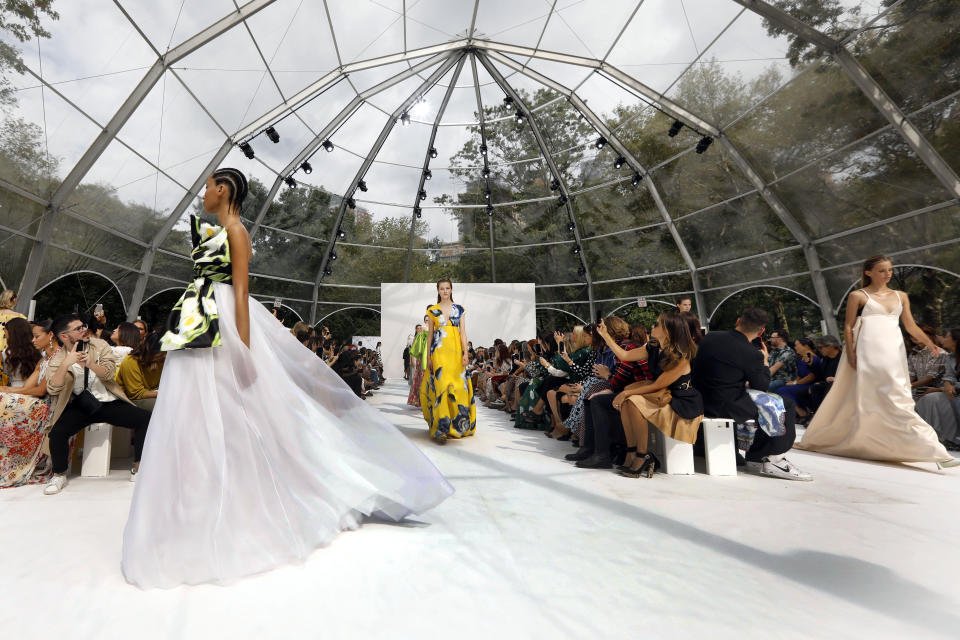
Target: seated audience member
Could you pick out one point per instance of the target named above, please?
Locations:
(301, 331)
(81, 377)
(798, 389)
(23, 419)
(496, 375)
(926, 369)
(139, 372)
(669, 402)
(347, 367)
(510, 389)
(830, 350)
(8, 300)
(579, 356)
(605, 366)
(725, 364)
(19, 359)
(603, 427)
(142, 328)
(941, 408)
(684, 304)
(125, 338)
(783, 360)
(527, 416)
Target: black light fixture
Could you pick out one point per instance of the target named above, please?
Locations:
(405, 118)
(705, 142)
(582, 271)
(636, 179)
(433, 152)
(483, 148)
(362, 185)
(576, 249)
(562, 200)
(290, 182)
(486, 194)
(675, 128)
(600, 143)
(489, 209)
(333, 256)
(247, 149)
(619, 162)
(272, 134)
(507, 102)
(555, 185)
(341, 233)
(427, 174)
(352, 204)
(417, 212)
(306, 167)
(327, 146)
(486, 171)
(571, 226)
(519, 115)
(328, 271)
(422, 194)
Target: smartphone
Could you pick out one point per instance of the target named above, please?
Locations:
(81, 346)
(536, 349)
(98, 310)
(563, 346)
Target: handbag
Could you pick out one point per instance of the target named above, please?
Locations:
(86, 401)
(686, 402)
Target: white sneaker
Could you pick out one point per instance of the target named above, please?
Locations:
(778, 467)
(133, 475)
(56, 485)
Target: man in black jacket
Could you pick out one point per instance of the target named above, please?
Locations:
(725, 364)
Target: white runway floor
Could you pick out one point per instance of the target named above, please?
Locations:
(531, 547)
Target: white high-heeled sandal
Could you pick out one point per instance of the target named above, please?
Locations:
(955, 462)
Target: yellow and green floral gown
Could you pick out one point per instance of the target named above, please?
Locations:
(446, 393)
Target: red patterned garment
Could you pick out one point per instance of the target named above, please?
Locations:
(23, 430)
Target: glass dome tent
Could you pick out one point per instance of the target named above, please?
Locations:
(603, 149)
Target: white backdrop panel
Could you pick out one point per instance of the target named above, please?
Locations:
(505, 310)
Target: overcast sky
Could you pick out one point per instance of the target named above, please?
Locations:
(96, 56)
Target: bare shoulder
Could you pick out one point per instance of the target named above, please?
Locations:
(903, 296)
(236, 229)
(858, 297)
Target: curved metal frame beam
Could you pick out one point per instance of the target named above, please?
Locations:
(424, 86)
(548, 157)
(760, 286)
(582, 321)
(623, 151)
(96, 273)
(332, 313)
(921, 266)
(629, 304)
(426, 164)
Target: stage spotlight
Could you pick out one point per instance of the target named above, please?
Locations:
(519, 115)
(341, 233)
(417, 212)
(333, 256)
(272, 134)
(422, 194)
(675, 128)
(328, 271)
(486, 172)
(327, 146)
(581, 271)
(483, 148)
(362, 185)
(486, 194)
(290, 182)
(405, 118)
(489, 209)
(554, 185)
(705, 142)
(433, 152)
(352, 204)
(576, 249)
(600, 143)
(571, 226)
(507, 102)
(306, 167)
(562, 200)
(427, 174)
(619, 162)
(636, 179)
(247, 149)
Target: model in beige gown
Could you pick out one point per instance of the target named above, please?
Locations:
(869, 412)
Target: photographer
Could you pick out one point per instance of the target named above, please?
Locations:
(81, 378)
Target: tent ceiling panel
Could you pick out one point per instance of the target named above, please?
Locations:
(806, 324)
(662, 287)
(940, 125)
(432, 21)
(166, 27)
(545, 264)
(59, 262)
(773, 267)
(633, 253)
(532, 223)
(366, 29)
(615, 209)
(694, 181)
(873, 180)
(512, 22)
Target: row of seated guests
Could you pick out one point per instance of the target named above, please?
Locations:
(360, 368)
(61, 377)
(602, 388)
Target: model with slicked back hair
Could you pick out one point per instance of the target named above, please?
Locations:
(236, 181)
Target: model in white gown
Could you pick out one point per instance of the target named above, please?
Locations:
(256, 456)
(869, 412)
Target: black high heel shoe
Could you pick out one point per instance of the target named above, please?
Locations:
(649, 465)
(624, 467)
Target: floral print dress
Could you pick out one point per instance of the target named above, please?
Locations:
(446, 393)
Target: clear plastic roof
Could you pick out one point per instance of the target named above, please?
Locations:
(632, 147)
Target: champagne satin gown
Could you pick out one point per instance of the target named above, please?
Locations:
(869, 412)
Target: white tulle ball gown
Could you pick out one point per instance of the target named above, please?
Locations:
(255, 457)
